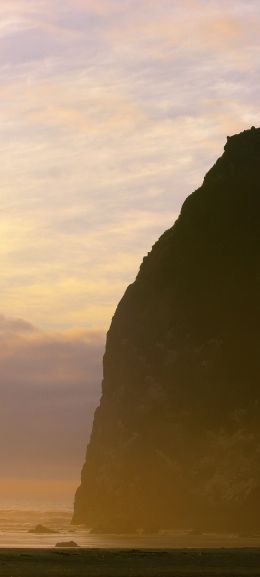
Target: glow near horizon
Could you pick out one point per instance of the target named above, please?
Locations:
(111, 113)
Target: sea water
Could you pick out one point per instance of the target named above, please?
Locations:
(16, 523)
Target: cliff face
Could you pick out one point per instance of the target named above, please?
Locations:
(176, 438)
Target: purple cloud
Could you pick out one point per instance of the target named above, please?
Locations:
(50, 386)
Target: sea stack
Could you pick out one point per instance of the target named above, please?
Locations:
(176, 437)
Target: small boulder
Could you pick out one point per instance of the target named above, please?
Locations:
(67, 544)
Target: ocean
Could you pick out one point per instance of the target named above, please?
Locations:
(15, 525)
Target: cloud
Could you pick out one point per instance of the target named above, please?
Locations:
(10, 327)
(170, 32)
(50, 386)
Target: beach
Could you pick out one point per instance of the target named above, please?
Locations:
(129, 562)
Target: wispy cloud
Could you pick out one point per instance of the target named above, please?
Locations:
(111, 114)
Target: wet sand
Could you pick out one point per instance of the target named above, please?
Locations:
(129, 562)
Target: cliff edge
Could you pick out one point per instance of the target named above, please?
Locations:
(176, 438)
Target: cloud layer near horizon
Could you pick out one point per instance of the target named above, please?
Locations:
(50, 386)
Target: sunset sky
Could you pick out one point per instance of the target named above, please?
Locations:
(111, 113)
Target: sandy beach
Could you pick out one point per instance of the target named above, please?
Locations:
(129, 562)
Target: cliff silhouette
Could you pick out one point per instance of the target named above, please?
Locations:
(176, 438)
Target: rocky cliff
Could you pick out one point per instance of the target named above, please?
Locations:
(176, 438)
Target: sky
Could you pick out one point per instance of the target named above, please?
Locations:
(111, 112)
